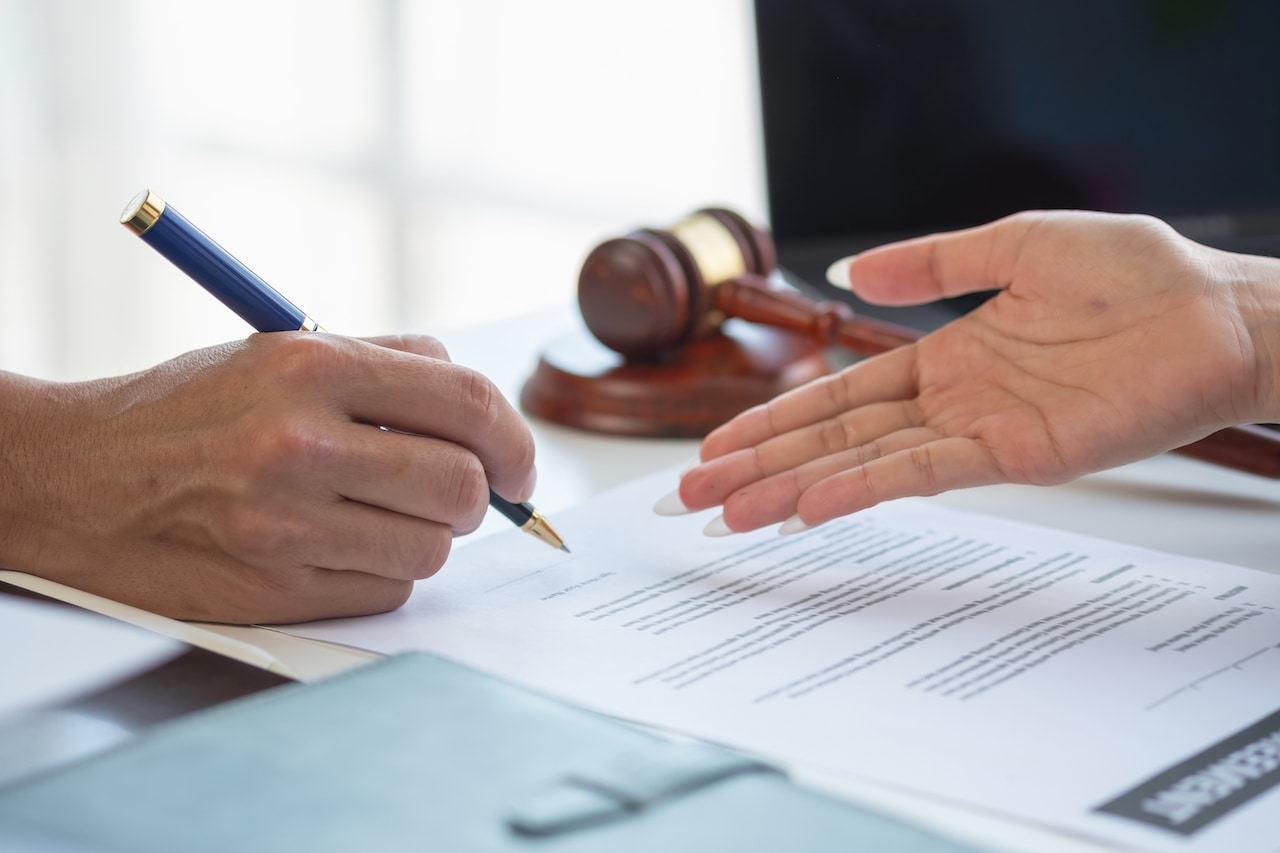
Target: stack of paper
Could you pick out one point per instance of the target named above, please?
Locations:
(1110, 690)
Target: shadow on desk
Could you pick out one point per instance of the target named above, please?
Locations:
(71, 731)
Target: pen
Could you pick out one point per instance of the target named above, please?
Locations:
(258, 304)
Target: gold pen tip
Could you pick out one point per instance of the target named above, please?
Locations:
(538, 527)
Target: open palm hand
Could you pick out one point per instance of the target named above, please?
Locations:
(1112, 339)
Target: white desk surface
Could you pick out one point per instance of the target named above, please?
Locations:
(1168, 503)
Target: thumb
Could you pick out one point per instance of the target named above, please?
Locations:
(940, 265)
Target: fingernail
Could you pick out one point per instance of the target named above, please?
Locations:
(717, 527)
(792, 526)
(671, 505)
(838, 273)
(690, 465)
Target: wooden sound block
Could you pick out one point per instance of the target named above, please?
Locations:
(580, 383)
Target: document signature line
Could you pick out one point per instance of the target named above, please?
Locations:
(1195, 685)
(527, 575)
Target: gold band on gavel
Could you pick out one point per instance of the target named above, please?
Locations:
(715, 251)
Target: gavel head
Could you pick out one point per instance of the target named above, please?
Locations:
(650, 292)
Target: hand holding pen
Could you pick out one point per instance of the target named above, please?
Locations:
(262, 307)
(247, 482)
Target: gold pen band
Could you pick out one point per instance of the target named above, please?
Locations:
(143, 212)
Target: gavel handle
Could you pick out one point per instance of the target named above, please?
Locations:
(1248, 448)
(755, 300)
(1251, 449)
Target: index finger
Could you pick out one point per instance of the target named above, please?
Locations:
(924, 269)
(426, 396)
(886, 377)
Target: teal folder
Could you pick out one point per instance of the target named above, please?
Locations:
(419, 754)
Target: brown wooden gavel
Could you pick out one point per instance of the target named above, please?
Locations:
(649, 293)
(654, 290)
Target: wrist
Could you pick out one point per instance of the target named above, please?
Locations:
(40, 457)
(23, 405)
(1258, 294)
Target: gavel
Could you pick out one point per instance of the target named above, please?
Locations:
(654, 291)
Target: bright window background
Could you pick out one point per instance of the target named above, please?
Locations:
(390, 165)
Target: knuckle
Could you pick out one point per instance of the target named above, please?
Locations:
(832, 435)
(922, 459)
(261, 536)
(524, 451)
(430, 552)
(284, 584)
(1146, 223)
(466, 489)
(837, 392)
(848, 433)
(374, 595)
(868, 452)
(392, 595)
(414, 553)
(304, 357)
(398, 594)
(1160, 249)
(479, 399)
(1145, 231)
(1022, 218)
(428, 346)
(1022, 224)
(289, 443)
(735, 511)
(869, 487)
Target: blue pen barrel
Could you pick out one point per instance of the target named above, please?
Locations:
(213, 268)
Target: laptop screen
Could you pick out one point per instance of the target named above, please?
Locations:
(893, 117)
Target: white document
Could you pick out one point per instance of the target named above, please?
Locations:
(49, 653)
(1108, 690)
